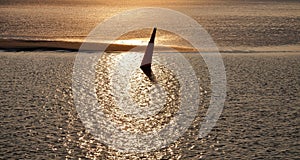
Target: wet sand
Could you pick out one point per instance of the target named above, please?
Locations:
(15, 45)
(260, 117)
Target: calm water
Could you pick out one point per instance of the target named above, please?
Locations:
(261, 113)
(235, 23)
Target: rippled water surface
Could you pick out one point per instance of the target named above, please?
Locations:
(260, 45)
(259, 120)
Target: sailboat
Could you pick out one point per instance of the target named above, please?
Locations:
(147, 59)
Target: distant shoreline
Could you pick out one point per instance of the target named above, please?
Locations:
(11, 45)
(44, 45)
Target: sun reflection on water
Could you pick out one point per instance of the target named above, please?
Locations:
(84, 142)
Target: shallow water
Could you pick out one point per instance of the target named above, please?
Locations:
(230, 23)
(260, 118)
(260, 45)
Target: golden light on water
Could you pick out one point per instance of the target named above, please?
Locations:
(136, 42)
(259, 42)
(141, 38)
